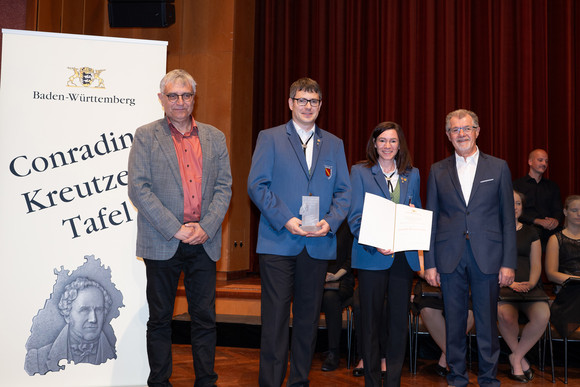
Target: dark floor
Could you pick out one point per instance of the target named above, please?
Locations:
(237, 361)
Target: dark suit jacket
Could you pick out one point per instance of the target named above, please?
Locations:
(489, 218)
(278, 179)
(156, 190)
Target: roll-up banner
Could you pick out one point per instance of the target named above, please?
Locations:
(72, 292)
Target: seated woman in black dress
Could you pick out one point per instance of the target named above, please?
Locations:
(525, 295)
(563, 268)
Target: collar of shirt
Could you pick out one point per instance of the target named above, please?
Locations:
(469, 160)
(531, 180)
(193, 131)
(307, 138)
(392, 176)
(303, 134)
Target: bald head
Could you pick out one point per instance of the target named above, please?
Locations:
(538, 162)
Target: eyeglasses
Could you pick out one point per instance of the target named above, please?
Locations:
(303, 101)
(466, 129)
(186, 97)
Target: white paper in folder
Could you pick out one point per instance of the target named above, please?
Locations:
(396, 227)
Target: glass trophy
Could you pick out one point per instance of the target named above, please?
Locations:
(309, 212)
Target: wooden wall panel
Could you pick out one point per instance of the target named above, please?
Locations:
(71, 22)
(241, 132)
(49, 16)
(203, 41)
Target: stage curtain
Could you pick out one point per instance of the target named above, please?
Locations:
(513, 62)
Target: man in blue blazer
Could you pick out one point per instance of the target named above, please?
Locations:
(473, 244)
(290, 162)
(180, 182)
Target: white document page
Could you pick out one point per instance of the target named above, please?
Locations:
(396, 227)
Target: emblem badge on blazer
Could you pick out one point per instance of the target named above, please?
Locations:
(328, 171)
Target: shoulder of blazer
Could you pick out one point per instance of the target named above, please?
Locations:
(444, 164)
(413, 171)
(492, 159)
(208, 128)
(360, 168)
(326, 135)
(152, 126)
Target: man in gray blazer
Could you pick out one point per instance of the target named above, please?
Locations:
(473, 244)
(180, 182)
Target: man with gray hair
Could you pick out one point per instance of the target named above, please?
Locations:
(473, 244)
(180, 182)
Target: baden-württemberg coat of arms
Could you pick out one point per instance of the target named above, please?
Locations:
(86, 77)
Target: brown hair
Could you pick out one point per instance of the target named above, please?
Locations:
(403, 158)
(305, 84)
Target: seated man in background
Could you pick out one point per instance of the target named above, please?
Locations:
(543, 205)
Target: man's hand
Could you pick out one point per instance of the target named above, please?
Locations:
(547, 223)
(293, 225)
(506, 276)
(324, 228)
(199, 236)
(432, 277)
(184, 233)
(191, 233)
(553, 223)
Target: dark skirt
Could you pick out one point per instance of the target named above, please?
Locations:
(565, 311)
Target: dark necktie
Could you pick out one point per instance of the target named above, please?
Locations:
(389, 184)
(305, 144)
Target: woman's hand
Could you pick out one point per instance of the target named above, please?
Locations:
(521, 287)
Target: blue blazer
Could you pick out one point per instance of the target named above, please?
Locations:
(372, 180)
(278, 179)
(489, 217)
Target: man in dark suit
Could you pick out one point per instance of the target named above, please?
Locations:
(180, 182)
(294, 161)
(473, 244)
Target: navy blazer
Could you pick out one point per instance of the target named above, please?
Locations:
(372, 180)
(278, 179)
(488, 220)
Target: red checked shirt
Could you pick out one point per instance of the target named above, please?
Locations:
(189, 156)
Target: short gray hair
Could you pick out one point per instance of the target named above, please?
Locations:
(460, 113)
(177, 75)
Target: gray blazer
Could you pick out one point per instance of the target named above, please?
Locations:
(156, 191)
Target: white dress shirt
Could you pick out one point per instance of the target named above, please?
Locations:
(393, 176)
(466, 171)
(307, 138)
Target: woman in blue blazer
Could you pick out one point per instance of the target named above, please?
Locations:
(387, 172)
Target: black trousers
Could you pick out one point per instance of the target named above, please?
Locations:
(199, 280)
(332, 301)
(358, 326)
(285, 277)
(396, 282)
